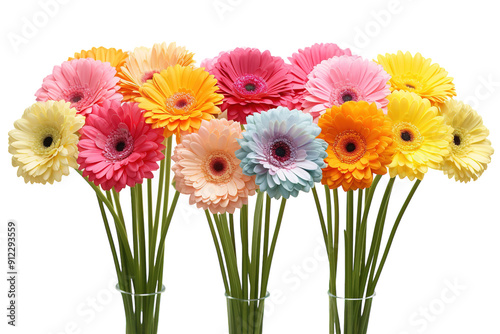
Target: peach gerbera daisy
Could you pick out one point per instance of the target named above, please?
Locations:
(144, 62)
(179, 98)
(359, 144)
(206, 168)
(114, 57)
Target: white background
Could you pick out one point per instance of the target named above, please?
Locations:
(449, 235)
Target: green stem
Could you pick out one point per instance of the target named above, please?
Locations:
(267, 227)
(110, 239)
(266, 272)
(321, 216)
(349, 280)
(394, 230)
(120, 226)
(244, 243)
(332, 249)
(218, 250)
(231, 227)
(230, 257)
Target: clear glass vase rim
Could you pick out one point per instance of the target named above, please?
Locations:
(117, 287)
(348, 298)
(248, 300)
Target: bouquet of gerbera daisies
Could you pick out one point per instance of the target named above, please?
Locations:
(276, 156)
(88, 118)
(392, 115)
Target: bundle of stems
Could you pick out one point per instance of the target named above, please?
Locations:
(245, 267)
(362, 269)
(139, 262)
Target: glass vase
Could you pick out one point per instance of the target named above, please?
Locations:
(353, 313)
(141, 311)
(245, 316)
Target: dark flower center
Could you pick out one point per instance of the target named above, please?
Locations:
(347, 98)
(181, 103)
(350, 147)
(250, 87)
(410, 86)
(281, 151)
(218, 166)
(406, 136)
(456, 140)
(120, 146)
(47, 141)
(76, 98)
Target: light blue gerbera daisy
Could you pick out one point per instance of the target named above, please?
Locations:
(280, 147)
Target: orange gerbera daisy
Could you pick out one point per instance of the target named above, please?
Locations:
(179, 98)
(359, 141)
(143, 63)
(113, 56)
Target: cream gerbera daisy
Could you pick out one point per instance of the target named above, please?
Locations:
(43, 143)
(416, 74)
(470, 149)
(143, 63)
(421, 137)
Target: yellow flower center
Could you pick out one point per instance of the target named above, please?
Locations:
(46, 140)
(218, 167)
(407, 136)
(180, 102)
(349, 146)
(407, 82)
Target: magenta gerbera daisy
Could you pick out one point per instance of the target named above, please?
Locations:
(82, 82)
(117, 147)
(251, 82)
(304, 61)
(342, 79)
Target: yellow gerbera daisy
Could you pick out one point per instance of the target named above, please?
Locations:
(113, 56)
(143, 63)
(416, 74)
(470, 149)
(43, 143)
(179, 98)
(420, 134)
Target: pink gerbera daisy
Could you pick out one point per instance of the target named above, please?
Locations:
(342, 79)
(117, 147)
(209, 63)
(82, 82)
(251, 81)
(206, 167)
(303, 62)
